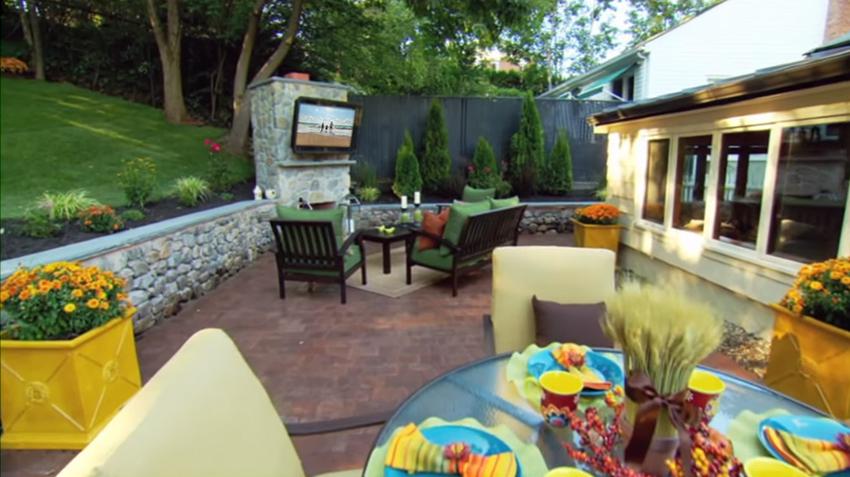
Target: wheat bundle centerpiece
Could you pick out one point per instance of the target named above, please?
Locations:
(663, 335)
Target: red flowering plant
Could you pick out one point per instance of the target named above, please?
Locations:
(101, 219)
(219, 176)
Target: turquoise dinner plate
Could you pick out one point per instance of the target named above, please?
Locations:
(543, 361)
(480, 442)
(809, 427)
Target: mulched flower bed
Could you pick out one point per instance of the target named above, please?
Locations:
(747, 349)
(581, 195)
(14, 244)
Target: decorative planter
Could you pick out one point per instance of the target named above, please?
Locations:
(808, 361)
(59, 394)
(596, 236)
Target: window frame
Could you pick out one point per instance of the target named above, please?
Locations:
(640, 190)
(676, 189)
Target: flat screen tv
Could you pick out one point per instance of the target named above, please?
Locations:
(322, 126)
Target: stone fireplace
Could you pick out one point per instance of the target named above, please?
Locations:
(313, 177)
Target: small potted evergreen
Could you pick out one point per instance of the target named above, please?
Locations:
(68, 355)
(811, 338)
(595, 226)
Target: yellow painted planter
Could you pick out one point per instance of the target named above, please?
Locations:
(59, 394)
(597, 236)
(808, 361)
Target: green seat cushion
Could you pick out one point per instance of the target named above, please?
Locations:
(458, 216)
(352, 259)
(471, 194)
(504, 203)
(334, 216)
(434, 259)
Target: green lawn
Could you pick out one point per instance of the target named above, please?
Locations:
(58, 137)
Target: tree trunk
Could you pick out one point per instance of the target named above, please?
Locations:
(238, 137)
(169, 44)
(38, 48)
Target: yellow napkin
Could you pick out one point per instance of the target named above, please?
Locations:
(812, 455)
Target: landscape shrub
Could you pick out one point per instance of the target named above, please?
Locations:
(65, 205)
(484, 171)
(527, 149)
(100, 219)
(133, 215)
(220, 176)
(407, 177)
(226, 196)
(364, 175)
(453, 186)
(61, 300)
(38, 224)
(436, 164)
(191, 191)
(138, 179)
(558, 173)
(13, 66)
(368, 194)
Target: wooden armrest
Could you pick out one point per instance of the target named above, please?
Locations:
(440, 240)
(352, 239)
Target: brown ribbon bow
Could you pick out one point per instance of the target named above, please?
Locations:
(650, 403)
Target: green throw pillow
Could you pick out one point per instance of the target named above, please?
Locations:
(503, 203)
(457, 218)
(471, 194)
(334, 216)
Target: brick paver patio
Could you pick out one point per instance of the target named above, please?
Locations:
(321, 360)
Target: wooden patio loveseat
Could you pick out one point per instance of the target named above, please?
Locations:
(481, 233)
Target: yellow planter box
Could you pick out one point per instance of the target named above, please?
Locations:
(808, 361)
(596, 236)
(59, 394)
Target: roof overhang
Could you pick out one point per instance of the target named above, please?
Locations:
(617, 65)
(793, 76)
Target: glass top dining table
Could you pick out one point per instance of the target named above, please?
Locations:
(481, 390)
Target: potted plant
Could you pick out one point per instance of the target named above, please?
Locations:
(595, 226)
(68, 355)
(811, 338)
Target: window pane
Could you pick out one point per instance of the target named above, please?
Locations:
(743, 159)
(656, 180)
(692, 167)
(811, 192)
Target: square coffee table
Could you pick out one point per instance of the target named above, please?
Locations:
(386, 240)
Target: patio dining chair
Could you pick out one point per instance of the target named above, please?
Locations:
(203, 414)
(309, 251)
(567, 275)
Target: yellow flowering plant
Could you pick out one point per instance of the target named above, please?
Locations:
(822, 291)
(598, 214)
(60, 300)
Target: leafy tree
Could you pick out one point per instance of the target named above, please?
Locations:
(527, 149)
(31, 26)
(169, 40)
(650, 17)
(558, 178)
(407, 177)
(484, 171)
(436, 164)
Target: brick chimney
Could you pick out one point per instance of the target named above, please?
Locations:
(837, 20)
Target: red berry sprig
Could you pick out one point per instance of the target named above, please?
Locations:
(711, 455)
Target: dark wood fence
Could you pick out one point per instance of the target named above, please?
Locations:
(385, 119)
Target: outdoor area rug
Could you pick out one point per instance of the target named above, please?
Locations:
(393, 285)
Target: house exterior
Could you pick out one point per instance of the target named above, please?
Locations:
(729, 39)
(727, 189)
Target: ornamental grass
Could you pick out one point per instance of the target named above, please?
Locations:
(598, 214)
(662, 333)
(60, 300)
(822, 291)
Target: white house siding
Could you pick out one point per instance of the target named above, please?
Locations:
(735, 37)
(693, 262)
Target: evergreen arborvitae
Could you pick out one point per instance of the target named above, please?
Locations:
(559, 169)
(527, 149)
(407, 177)
(485, 173)
(436, 164)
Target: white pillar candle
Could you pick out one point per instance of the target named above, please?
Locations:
(404, 202)
(417, 198)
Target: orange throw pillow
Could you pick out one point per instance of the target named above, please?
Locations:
(433, 224)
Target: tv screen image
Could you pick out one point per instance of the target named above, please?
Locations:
(324, 126)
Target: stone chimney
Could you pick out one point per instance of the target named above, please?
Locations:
(837, 20)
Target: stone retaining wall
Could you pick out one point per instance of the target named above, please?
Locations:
(538, 218)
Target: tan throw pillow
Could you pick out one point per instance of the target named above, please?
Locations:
(569, 323)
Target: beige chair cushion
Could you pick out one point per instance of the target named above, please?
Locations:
(559, 274)
(203, 414)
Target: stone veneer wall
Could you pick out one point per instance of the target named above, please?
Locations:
(175, 260)
(314, 177)
(538, 218)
